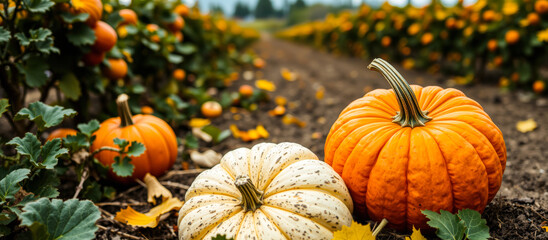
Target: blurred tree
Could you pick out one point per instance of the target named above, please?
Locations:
(264, 9)
(241, 10)
(216, 9)
(299, 4)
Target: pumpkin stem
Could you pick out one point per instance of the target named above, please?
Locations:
(252, 198)
(380, 227)
(410, 114)
(123, 110)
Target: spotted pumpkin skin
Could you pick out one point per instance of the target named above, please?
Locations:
(303, 197)
(455, 161)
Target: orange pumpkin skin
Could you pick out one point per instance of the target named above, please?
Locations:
(61, 133)
(118, 68)
(455, 161)
(93, 58)
(129, 16)
(157, 136)
(92, 7)
(105, 37)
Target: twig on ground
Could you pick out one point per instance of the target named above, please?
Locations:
(533, 210)
(118, 232)
(181, 172)
(80, 186)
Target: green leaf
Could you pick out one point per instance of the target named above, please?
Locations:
(81, 35)
(123, 167)
(47, 47)
(34, 70)
(151, 45)
(28, 146)
(92, 191)
(72, 219)
(9, 185)
(38, 5)
(71, 18)
(4, 35)
(191, 141)
(76, 142)
(4, 104)
(121, 143)
(447, 224)
(216, 133)
(114, 19)
(175, 59)
(70, 86)
(476, 227)
(51, 151)
(135, 149)
(44, 184)
(36, 35)
(89, 128)
(43, 115)
(4, 230)
(185, 49)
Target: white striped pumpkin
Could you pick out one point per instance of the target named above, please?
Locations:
(296, 197)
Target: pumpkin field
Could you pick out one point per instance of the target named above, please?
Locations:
(166, 120)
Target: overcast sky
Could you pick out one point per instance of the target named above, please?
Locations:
(228, 5)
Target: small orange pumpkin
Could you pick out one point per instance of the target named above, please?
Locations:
(105, 37)
(176, 25)
(409, 149)
(157, 136)
(211, 109)
(93, 58)
(181, 10)
(117, 69)
(92, 7)
(129, 16)
(61, 133)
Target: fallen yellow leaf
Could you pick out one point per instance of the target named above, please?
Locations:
(199, 122)
(150, 219)
(545, 228)
(356, 231)
(526, 126)
(155, 189)
(416, 235)
(265, 85)
(235, 131)
(280, 101)
(290, 119)
(320, 93)
(262, 131)
(288, 75)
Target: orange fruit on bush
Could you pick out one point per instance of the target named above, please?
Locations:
(181, 10)
(246, 90)
(541, 6)
(489, 15)
(211, 109)
(512, 37)
(385, 41)
(498, 60)
(117, 69)
(179, 36)
(129, 16)
(179, 74)
(492, 45)
(105, 37)
(92, 7)
(147, 110)
(533, 18)
(152, 27)
(427, 38)
(451, 23)
(155, 38)
(259, 63)
(93, 58)
(61, 133)
(538, 86)
(514, 77)
(176, 25)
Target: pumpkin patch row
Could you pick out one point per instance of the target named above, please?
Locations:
(506, 41)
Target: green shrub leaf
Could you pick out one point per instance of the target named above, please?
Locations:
(44, 184)
(135, 149)
(38, 5)
(50, 152)
(28, 146)
(89, 128)
(476, 227)
(55, 219)
(71, 18)
(81, 34)
(447, 224)
(76, 142)
(9, 185)
(70, 86)
(4, 104)
(122, 166)
(43, 115)
(34, 70)
(4, 35)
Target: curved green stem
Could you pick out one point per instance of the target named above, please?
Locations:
(410, 114)
(252, 198)
(123, 110)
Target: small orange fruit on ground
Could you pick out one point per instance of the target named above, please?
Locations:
(147, 110)
(129, 16)
(538, 86)
(492, 45)
(211, 109)
(533, 18)
(181, 10)
(61, 133)
(93, 58)
(246, 90)
(541, 6)
(176, 25)
(105, 37)
(117, 70)
(259, 63)
(179, 74)
(512, 37)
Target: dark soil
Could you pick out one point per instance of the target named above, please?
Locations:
(518, 211)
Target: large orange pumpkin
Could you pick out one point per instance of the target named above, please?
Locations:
(409, 149)
(61, 133)
(157, 136)
(92, 7)
(105, 37)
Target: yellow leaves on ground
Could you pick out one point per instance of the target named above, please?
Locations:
(251, 134)
(199, 122)
(545, 228)
(320, 92)
(416, 235)
(155, 189)
(151, 218)
(526, 126)
(277, 111)
(356, 231)
(288, 75)
(289, 119)
(208, 158)
(265, 85)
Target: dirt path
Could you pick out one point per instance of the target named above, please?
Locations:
(525, 182)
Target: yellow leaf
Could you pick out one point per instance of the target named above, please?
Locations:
(155, 189)
(280, 101)
(235, 131)
(320, 93)
(288, 75)
(356, 231)
(265, 85)
(262, 131)
(526, 126)
(416, 235)
(131, 217)
(199, 122)
(545, 228)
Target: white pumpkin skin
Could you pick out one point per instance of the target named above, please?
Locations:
(303, 198)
